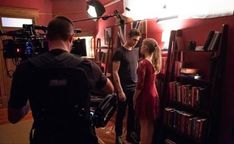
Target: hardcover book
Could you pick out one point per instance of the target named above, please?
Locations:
(214, 41)
(208, 40)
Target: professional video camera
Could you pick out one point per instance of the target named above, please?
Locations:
(25, 42)
(105, 110)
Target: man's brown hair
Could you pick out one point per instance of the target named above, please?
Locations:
(134, 32)
(59, 28)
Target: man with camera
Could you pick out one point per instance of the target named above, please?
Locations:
(57, 85)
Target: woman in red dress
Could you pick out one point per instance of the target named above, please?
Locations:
(146, 99)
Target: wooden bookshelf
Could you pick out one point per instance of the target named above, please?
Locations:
(190, 103)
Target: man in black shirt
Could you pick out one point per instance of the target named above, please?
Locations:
(57, 85)
(124, 64)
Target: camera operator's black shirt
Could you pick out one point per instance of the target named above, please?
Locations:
(18, 97)
(24, 80)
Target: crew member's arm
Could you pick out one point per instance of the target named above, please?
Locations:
(108, 88)
(16, 114)
(17, 104)
(116, 78)
(100, 83)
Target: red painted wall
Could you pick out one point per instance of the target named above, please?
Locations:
(154, 30)
(44, 7)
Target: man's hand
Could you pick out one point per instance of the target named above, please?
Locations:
(122, 96)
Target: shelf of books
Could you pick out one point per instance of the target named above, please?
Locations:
(187, 112)
(190, 82)
(186, 116)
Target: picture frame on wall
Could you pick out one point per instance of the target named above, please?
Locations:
(107, 35)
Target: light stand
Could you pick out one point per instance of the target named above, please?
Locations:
(105, 17)
(102, 17)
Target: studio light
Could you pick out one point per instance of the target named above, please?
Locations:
(95, 8)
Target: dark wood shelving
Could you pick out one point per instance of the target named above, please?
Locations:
(193, 110)
(181, 138)
(191, 80)
(190, 104)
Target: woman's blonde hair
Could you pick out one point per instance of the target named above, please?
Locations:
(153, 47)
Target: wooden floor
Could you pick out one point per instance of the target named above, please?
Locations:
(106, 135)
(3, 116)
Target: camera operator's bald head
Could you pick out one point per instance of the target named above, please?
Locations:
(60, 28)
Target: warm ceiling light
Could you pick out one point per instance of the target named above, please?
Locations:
(91, 11)
(95, 8)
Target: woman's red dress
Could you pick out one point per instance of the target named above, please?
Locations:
(147, 102)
